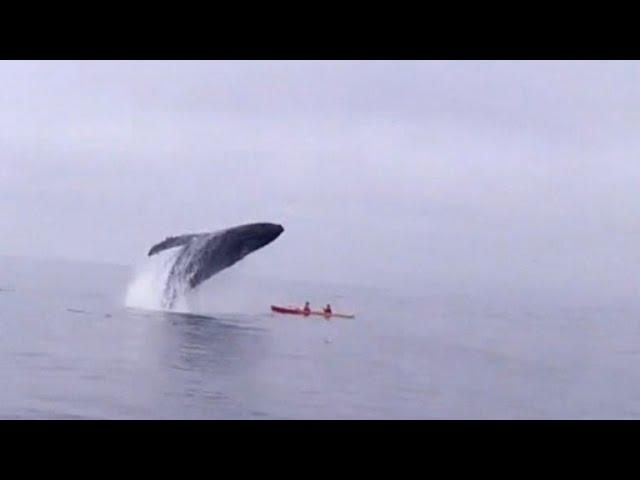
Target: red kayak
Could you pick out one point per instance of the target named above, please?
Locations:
(298, 311)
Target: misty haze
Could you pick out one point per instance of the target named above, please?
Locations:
(473, 226)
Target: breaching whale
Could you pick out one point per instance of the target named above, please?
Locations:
(205, 254)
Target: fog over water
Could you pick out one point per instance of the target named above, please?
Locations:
(395, 173)
(470, 213)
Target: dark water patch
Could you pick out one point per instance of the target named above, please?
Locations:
(186, 316)
(31, 354)
(51, 414)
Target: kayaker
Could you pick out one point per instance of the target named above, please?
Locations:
(327, 310)
(307, 309)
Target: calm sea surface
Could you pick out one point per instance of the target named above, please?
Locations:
(70, 348)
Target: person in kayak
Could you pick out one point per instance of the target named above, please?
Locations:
(327, 310)
(306, 310)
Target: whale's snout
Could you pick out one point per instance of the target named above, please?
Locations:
(268, 232)
(256, 235)
(278, 229)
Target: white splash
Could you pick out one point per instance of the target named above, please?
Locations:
(147, 287)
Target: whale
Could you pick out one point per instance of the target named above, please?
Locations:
(201, 255)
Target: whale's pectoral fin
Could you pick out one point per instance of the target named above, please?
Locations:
(171, 242)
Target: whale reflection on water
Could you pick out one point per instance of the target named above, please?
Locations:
(200, 366)
(207, 344)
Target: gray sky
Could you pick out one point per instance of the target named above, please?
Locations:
(406, 175)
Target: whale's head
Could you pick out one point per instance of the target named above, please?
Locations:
(252, 237)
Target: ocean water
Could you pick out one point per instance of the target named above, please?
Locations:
(70, 347)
